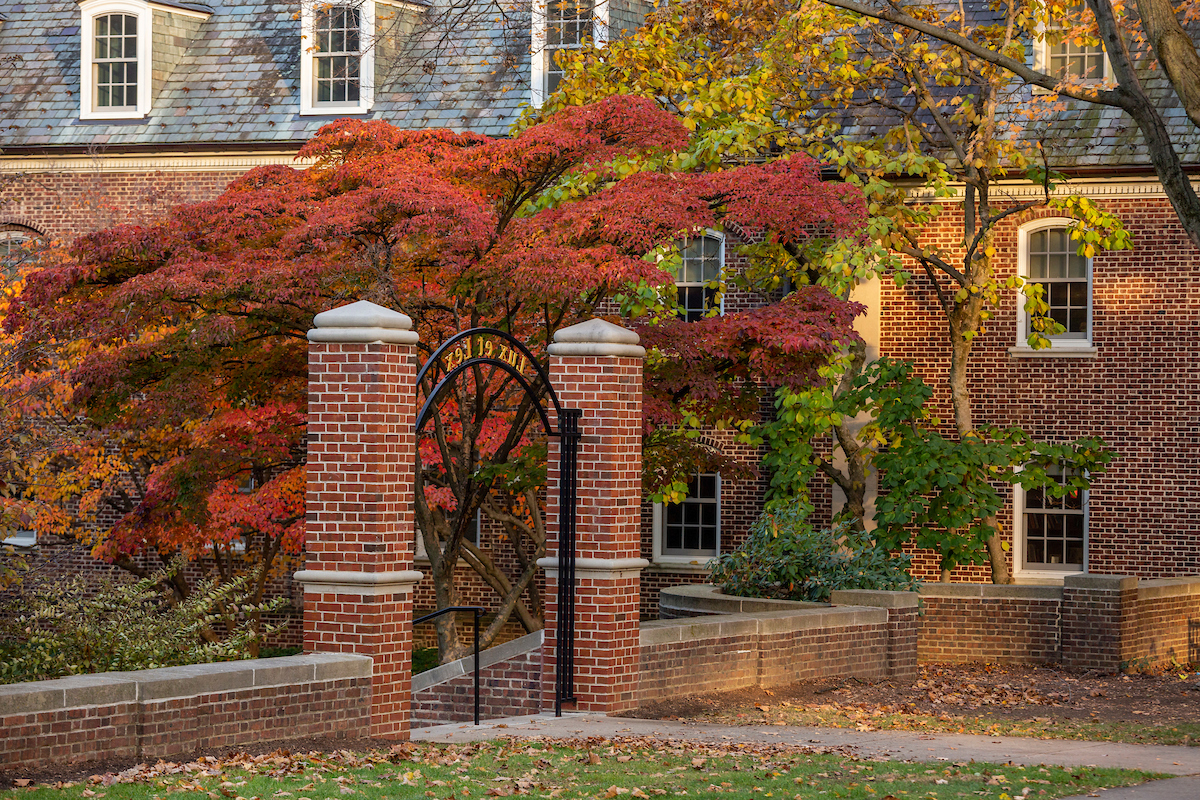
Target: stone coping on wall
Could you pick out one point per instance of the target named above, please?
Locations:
(991, 591)
(1169, 587)
(465, 666)
(106, 688)
(765, 623)
(702, 599)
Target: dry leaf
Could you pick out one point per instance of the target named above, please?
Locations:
(624, 759)
(698, 762)
(22, 782)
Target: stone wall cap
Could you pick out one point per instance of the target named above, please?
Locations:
(596, 337)
(362, 322)
(1114, 583)
(874, 598)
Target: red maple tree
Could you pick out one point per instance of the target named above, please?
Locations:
(183, 343)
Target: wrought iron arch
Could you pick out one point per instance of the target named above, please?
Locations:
(567, 430)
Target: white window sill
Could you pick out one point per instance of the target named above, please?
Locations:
(332, 111)
(1048, 577)
(23, 541)
(94, 116)
(685, 564)
(1054, 351)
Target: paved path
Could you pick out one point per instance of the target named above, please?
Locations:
(1182, 761)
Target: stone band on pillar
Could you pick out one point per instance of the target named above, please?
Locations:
(596, 367)
(322, 581)
(358, 581)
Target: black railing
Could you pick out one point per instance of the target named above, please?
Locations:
(477, 611)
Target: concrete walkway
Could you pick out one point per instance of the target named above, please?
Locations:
(903, 745)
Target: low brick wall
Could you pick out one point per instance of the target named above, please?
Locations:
(510, 685)
(160, 713)
(769, 648)
(966, 622)
(1168, 622)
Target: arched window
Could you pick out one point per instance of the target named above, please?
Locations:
(16, 247)
(115, 59)
(698, 279)
(1049, 258)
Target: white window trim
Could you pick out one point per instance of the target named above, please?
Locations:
(1041, 63)
(677, 563)
(720, 237)
(89, 10)
(21, 541)
(1059, 347)
(422, 555)
(1047, 575)
(366, 64)
(537, 49)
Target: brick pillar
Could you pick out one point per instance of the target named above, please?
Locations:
(596, 366)
(1099, 621)
(358, 580)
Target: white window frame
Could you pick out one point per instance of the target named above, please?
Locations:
(539, 53)
(1047, 574)
(366, 59)
(683, 563)
(1041, 63)
(91, 9)
(1059, 346)
(708, 233)
(421, 554)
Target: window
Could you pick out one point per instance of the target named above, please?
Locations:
(337, 64)
(1049, 258)
(15, 249)
(560, 25)
(23, 539)
(698, 279)
(1052, 532)
(115, 59)
(689, 533)
(421, 554)
(1065, 56)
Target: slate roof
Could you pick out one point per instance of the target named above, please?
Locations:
(237, 81)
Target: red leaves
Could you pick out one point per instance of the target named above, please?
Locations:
(714, 365)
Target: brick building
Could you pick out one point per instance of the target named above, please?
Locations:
(113, 110)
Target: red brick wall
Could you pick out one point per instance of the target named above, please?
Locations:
(1137, 394)
(1001, 627)
(511, 688)
(101, 720)
(66, 204)
(1168, 624)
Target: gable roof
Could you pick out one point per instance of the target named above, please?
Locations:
(237, 81)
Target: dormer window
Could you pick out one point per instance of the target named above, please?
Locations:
(337, 63)
(1071, 57)
(560, 26)
(115, 59)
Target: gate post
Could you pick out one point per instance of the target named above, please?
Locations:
(359, 580)
(596, 367)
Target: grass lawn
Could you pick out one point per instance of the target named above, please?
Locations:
(627, 768)
(872, 719)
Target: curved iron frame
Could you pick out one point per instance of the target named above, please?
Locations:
(568, 434)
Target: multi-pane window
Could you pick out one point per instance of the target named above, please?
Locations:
(1067, 55)
(1055, 528)
(13, 250)
(698, 278)
(1052, 261)
(337, 54)
(115, 61)
(568, 23)
(692, 527)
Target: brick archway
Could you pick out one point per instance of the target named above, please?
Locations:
(358, 577)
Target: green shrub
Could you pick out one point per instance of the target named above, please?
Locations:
(60, 630)
(786, 558)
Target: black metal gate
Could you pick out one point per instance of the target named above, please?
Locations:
(451, 360)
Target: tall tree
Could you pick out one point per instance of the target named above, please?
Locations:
(905, 118)
(193, 330)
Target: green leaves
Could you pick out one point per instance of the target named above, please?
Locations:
(786, 558)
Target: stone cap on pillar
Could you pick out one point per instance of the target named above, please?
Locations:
(596, 337)
(362, 322)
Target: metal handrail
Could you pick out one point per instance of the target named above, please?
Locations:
(477, 611)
